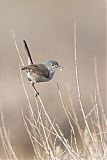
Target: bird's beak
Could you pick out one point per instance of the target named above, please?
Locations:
(61, 68)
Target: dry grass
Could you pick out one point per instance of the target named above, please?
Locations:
(45, 133)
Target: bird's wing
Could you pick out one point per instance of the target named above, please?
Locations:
(39, 69)
(30, 61)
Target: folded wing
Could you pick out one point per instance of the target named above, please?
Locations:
(39, 69)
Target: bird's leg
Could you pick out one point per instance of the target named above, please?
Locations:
(37, 93)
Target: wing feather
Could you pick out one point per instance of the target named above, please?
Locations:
(39, 69)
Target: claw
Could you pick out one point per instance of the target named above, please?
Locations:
(29, 79)
(37, 94)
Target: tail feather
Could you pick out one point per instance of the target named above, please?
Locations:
(28, 52)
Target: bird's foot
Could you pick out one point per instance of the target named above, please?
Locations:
(37, 94)
(29, 79)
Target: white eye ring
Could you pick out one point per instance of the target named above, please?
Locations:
(52, 64)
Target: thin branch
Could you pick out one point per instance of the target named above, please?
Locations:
(77, 81)
(67, 115)
(91, 111)
(7, 139)
(15, 42)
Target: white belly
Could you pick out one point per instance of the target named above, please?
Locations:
(32, 77)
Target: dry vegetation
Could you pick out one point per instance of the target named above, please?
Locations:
(45, 133)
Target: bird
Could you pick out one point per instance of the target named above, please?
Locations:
(37, 73)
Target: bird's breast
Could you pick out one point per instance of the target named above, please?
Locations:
(36, 78)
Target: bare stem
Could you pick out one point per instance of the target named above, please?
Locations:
(77, 81)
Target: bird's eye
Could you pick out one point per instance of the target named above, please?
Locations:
(52, 64)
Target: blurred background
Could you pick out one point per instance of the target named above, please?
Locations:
(47, 26)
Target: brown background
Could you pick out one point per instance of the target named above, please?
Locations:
(47, 26)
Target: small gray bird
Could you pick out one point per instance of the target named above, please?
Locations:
(39, 72)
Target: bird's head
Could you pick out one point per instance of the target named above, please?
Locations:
(52, 65)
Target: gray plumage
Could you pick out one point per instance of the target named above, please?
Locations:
(40, 72)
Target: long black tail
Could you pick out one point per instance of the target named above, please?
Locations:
(28, 52)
